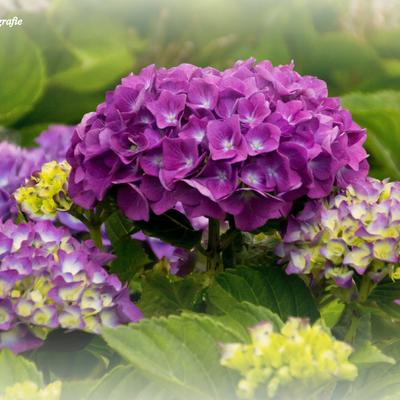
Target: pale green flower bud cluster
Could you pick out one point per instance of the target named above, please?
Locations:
(301, 358)
(30, 391)
(46, 192)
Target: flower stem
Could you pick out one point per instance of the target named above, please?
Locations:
(365, 289)
(351, 333)
(95, 235)
(214, 261)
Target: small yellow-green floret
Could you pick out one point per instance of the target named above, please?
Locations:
(46, 192)
(30, 391)
(299, 359)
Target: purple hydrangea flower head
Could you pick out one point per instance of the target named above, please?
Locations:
(50, 280)
(215, 143)
(54, 142)
(16, 164)
(355, 232)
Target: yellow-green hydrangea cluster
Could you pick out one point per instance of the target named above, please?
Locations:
(45, 193)
(353, 232)
(30, 391)
(299, 359)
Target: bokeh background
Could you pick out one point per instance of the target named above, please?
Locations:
(68, 53)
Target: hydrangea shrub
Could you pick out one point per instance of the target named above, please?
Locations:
(246, 142)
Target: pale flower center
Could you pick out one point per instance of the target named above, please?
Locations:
(227, 145)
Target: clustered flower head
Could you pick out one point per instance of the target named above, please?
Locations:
(297, 360)
(18, 164)
(30, 391)
(50, 280)
(45, 193)
(354, 232)
(246, 141)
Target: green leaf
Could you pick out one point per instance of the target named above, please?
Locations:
(331, 312)
(181, 353)
(270, 287)
(72, 390)
(164, 294)
(243, 314)
(374, 383)
(123, 382)
(22, 74)
(16, 369)
(131, 257)
(380, 114)
(370, 354)
(171, 227)
(102, 56)
(57, 105)
(118, 227)
(384, 296)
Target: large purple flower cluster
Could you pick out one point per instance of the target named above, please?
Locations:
(50, 280)
(18, 164)
(246, 141)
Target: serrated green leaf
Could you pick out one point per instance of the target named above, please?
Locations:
(332, 312)
(164, 294)
(118, 227)
(181, 353)
(16, 369)
(270, 287)
(384, 296)
(131, 258)
(369, 354)
(243, 314)
(123, 382)
(22, 74)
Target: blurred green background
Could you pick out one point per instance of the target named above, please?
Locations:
(68, 53)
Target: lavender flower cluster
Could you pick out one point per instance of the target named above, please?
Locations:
(246, 141)
(354, 232)
(18, 164)
(50, 280)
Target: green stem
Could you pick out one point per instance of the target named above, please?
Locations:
(92, 222)
(214, 261)
(95, 234)
(351, 333)
(365, 288)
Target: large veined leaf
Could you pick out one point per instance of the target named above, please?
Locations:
(100, 47)
(125, 382)
(165, 294)
(380, 114)
(22, 74)
(181, 353)
(14, 369)
(232, 311)
(270, 287)
(384, 296)
(377, 383)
